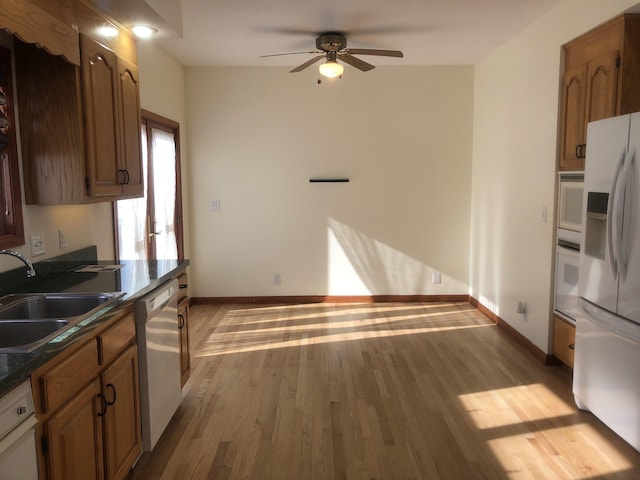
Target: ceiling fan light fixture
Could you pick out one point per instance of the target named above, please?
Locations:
(331, 69)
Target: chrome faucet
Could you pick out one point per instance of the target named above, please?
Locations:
(31, 272)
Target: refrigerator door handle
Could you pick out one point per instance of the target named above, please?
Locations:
(612, 205)
(625, 179)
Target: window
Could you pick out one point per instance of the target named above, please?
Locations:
(150, 228)
(11, 228)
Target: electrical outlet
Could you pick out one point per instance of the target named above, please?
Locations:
(276, 279)
(436, 278)
(37, 244)
(62, 237)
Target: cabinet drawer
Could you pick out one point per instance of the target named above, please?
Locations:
(183, 285)
(114, 340)
(59, 383)
(564, 340)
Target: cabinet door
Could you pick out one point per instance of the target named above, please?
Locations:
(564, 340)
(99, 78)
(183, 328)
(123, 438)
(602, 87)
(129, 92)
(573, 131)
(75, 437)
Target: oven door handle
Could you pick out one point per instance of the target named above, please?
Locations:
(17, 433)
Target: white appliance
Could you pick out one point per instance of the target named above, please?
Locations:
(567, 275)
(570, 197)
(606, 379)
(159, 360)
(18, 458)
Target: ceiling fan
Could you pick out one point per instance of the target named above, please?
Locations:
(332, 46)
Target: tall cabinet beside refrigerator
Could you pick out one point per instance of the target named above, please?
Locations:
(607, 353)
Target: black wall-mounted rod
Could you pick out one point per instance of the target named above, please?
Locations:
(328, 180)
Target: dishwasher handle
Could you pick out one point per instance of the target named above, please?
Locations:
(156, 300)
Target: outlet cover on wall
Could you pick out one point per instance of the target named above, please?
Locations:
(37, 244)
(62, 237)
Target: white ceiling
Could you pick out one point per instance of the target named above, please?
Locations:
(429, 32)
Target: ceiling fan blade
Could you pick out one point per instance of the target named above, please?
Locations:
(306, 64)
(290, 53)
(355, 62)
(370, 51)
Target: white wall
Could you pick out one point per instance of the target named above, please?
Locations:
(514, 161)
(401, 135)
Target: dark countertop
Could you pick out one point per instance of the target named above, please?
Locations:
(135, 278)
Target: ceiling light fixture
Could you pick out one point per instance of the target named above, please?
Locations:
(331, 69)
(143, 31)
(108, 31)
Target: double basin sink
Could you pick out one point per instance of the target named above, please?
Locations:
(29, 320)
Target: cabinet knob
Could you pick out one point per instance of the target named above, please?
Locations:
(572, 346)
(21, 410)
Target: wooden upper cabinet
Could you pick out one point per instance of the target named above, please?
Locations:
(131, 148)
(91, 116)
(99, 78)
(601, 69)
(47, 23)
(573, 114)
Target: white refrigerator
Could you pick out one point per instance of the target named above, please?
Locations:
(606, 377)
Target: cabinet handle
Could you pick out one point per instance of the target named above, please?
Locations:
(110, 385)
(104, 404)
(180, 321)
(122, 177)
(572, 346)
(126, 176)
(581, 150)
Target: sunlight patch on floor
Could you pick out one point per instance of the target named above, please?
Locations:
(242, 342)
(524, 419)
(328, 310)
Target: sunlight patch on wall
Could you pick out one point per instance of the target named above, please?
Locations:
(342, 275)
(361, 265)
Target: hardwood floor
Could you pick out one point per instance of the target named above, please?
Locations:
(375, 391)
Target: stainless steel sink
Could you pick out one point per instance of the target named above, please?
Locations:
(29, 320)
(28, 333)
(50, 305)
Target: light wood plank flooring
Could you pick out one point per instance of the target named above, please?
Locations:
(375, 391)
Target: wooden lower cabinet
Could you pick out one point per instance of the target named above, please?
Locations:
(122, 435)
(183, 329)
(95, 431)
(564, 340)
(74, 438)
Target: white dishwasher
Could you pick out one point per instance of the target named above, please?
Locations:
(159, 360)
(18, 458)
